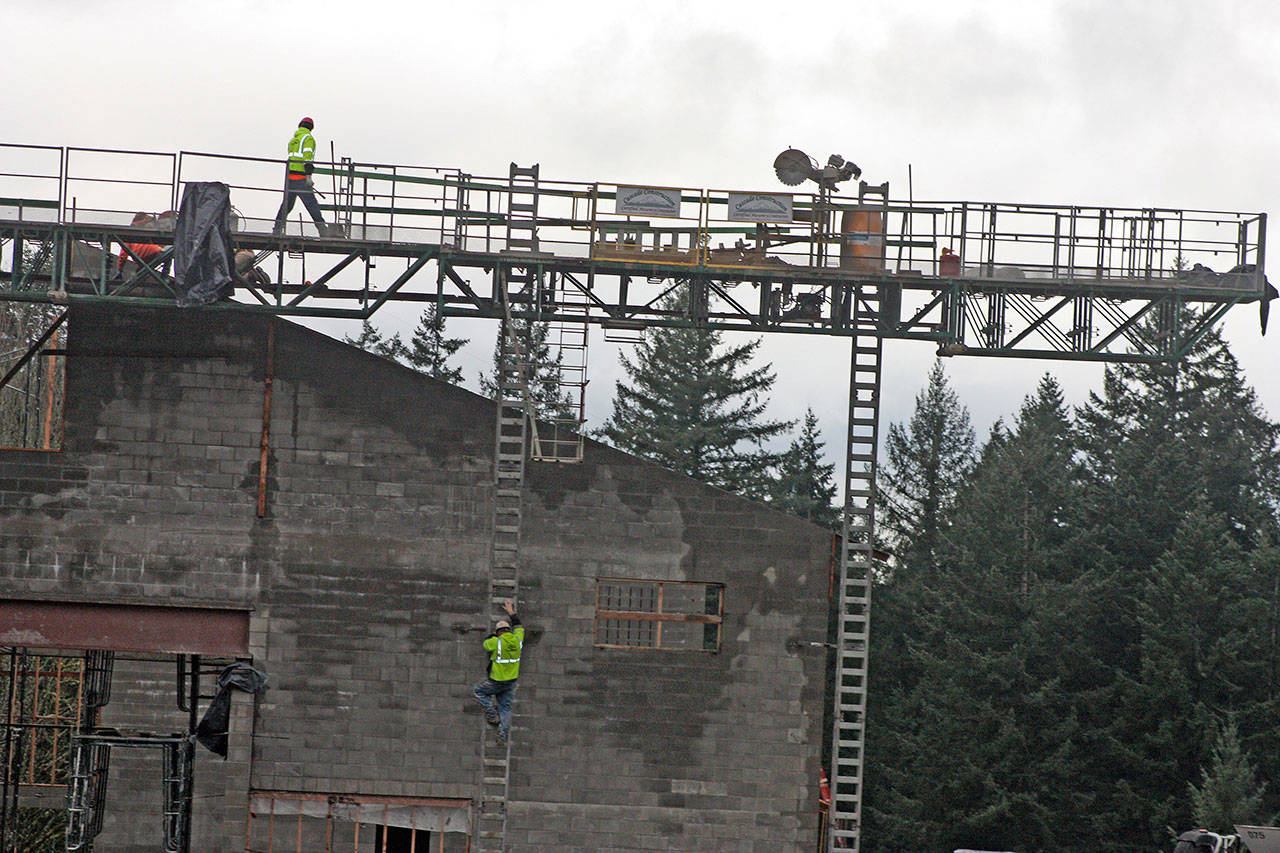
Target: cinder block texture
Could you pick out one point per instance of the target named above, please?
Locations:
(367, 577)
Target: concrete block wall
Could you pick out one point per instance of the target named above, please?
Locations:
(367, 579)
(659, 749)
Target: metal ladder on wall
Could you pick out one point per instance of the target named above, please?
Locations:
(853, 623)
(510, 452)
(511, 449)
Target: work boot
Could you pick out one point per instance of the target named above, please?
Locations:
(491, 718)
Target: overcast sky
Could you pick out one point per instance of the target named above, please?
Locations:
(1132, 104)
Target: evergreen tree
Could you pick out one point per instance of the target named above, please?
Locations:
(805, 485)
(1198, 626)
(1016, 515)
(546, 392)
(1229, 792)
(1157, 439)
(1104, 591)
(928, 460)
(371, 340)
(1179, 471)
(694, 405)
(429, 350)
(972, 649)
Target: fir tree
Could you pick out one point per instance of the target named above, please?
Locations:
(805, 485)
(1229, 791)
(694, 405)
(1157, 438)
(1016, 514)
(429, 350)
(1104, 591)
(371, 340)
(928, 460)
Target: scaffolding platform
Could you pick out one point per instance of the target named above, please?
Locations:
(978, 278)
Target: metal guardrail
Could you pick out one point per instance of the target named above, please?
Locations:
(396, 204)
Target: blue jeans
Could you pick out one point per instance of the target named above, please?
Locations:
(294, 190)
(496, 697)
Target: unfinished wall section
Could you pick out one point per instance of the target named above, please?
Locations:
(365, 574)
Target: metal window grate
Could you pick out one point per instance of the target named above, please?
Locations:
(671, 615)
(43, 698)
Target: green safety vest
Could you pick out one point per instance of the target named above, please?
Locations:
(504, 654)
(302, 150)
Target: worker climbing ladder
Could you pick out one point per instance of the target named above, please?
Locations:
(854, 591)
(517, 283)
(510, 450)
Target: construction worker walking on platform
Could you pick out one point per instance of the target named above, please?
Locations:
(297, 180)
(497, 692)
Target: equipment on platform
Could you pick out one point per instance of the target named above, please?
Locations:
(793, 167)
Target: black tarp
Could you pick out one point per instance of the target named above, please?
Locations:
(212, 730)
(202, 244)
(1238, 276)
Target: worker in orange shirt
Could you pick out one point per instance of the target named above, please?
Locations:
(143, 251)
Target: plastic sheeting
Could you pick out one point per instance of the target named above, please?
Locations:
(212, 730)
(203, 259)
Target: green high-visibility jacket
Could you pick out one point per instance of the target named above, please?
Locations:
(302, 150)
(504, 652)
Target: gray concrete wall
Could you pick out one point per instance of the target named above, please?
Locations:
(367, 578)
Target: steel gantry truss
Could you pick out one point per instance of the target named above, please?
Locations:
(971, 278)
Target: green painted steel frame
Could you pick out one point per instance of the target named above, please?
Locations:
(1106, 264)
(465, 284)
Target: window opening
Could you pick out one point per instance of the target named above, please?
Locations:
(674, 615)
(33, 367)
(41, 696)
(294, 822)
